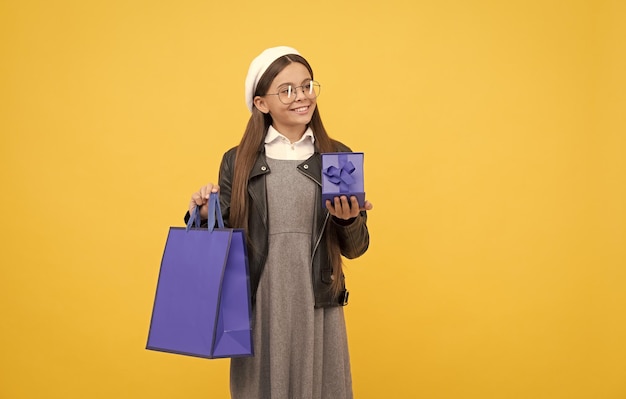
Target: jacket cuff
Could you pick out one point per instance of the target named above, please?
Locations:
(344, 222)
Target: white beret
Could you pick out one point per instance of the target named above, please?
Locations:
(258, 67)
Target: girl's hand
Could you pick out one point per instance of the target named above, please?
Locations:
(342, 209)
(201, 198)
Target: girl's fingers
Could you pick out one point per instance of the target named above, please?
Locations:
(196, 199)
(354, 206)
(205, 191)
(341, 208)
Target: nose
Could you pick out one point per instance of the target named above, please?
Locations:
(302, 95)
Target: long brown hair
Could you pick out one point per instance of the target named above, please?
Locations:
(247, 152)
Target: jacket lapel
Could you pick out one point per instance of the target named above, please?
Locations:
(312, 168)
(256, 186)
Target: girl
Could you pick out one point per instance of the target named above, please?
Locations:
(270, 184)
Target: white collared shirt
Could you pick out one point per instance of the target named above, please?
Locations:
(278, 146)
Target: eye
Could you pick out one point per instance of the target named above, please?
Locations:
(286, 91)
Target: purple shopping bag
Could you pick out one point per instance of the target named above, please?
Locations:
(202, 304)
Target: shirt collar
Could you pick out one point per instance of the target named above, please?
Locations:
(273, 135)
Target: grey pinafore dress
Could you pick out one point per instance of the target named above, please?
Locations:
(300, 352)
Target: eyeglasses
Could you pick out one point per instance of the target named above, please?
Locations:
(287, 94)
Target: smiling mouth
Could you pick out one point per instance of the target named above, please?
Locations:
(301, 110)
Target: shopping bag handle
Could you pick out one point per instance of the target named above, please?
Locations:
(214, 211)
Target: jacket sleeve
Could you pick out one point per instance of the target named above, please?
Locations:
(353, 238)
(225, 181)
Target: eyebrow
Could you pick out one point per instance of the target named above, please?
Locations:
(293, 84)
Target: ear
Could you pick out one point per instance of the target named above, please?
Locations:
(261, 104)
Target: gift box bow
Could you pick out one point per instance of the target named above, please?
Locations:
(342, 175)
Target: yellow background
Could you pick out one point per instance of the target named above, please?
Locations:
(495, 158)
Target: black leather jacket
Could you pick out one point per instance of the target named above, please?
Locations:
(353, 235)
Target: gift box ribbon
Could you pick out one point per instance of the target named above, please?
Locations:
(342, 175)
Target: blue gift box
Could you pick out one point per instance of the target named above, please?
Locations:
(342, 174)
